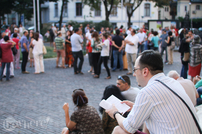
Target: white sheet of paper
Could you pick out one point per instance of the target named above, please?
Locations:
(122, 108)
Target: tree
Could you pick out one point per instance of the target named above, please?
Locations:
(6, 7)
(95, 4)
(132, 5)
(61, 13)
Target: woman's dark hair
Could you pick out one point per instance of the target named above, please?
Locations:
(70, 33)
(105, 35)
(111, 90)
(15, 35)
(79, 97)
(32, 34)
(95, 35)
(36, 36)
(170, 33)
(6, 38)
(155, 33)
(152, 60)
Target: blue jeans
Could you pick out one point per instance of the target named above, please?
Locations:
(199, 100)
(7, 64)
(184, 70)
(162, 50)
(117, 56)
(141, 47)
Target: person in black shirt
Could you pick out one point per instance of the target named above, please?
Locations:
(117, 46)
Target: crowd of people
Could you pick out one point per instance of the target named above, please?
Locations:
(156, 108)
(31, 48)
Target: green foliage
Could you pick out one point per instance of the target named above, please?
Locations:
(6, 6)
(181, 19)
(102, 24)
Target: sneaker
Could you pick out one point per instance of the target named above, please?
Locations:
(25, 72)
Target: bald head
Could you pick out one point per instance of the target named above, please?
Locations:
(173, 74)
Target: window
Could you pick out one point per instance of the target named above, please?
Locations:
(147, 9)
(166, 9)
(56, 9)
(78, 9)
(65, 10)
(98, 11)
(114, 10)
(198, 7)
(185, 8)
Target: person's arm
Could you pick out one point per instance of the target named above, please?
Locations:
(113, 44)
(70, 124)
(122, 46)
(24, 45)
(129, 42)
(168, 40)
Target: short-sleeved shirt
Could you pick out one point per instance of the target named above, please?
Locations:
(118, 41)
(87, 121)
(22, 41)
(155, 40)
(16, 40)
(7, 55)
(76, 41)
(59, 43)
(132, 49)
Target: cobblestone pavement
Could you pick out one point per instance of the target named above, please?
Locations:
(32, 103)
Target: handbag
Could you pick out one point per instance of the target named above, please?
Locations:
(196, 122)
(14, 50)
(44, 50)
(186, 56)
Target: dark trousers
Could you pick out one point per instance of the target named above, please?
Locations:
(3, 64)
(162, 50)
(24, 61)
(185, 68)
(105, 60)
(199, 100)
(95, 59)
(90, 59)
(77, 55)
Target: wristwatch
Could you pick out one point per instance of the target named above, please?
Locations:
(117, 112)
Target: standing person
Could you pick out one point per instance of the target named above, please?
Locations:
(38, 54)
(15, 31)
(8, 31)
(164, 44)
(142, 38)
(64, 31)
(161, 109)
(16, 60)
(54, 28)
(77, 42)
(31, 46)
(155, 41)
(128, 31)
(52, 35)
(170, 38)
(7, 56)
(59, 45)
(195, 57)
(89, 48)
(85, 119)
(12, 28)
(21, 30)
(95, 41)
(160, 31)
(24, 49)
(104, 57)
(69, 57)
(70, 27)
(86, 28)
(131, 49)
(117, 46)
(184, 48)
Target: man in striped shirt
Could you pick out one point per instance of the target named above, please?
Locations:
(161, 110)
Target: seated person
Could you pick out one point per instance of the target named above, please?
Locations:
(85, 119)
(108, 123)
(124, 84)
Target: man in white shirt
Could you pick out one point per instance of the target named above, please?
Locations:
(63, 31)
(123, 83)
(161, 110)
(77, 42)
(188, 85)
(142, 38)
(129, 31)
(131, 49)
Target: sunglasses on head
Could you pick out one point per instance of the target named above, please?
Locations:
(77, 90)
(121, 78)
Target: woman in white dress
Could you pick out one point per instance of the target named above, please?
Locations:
(38, 54)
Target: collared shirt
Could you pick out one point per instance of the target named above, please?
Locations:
(22, 41)
(189, 88)
(131, 93)
(76, 41)
(132, 48)
(162, 110)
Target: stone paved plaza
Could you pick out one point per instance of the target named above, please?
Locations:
(32, 103)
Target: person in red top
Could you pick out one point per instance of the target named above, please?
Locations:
(16, 61)
(7, 56)
(8, 31)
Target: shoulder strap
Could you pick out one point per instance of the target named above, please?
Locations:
(196, 122)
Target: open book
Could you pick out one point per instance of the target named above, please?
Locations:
(107, 104)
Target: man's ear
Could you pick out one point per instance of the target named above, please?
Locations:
(146, 71)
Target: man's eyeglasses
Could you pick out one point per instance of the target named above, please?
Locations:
(120, 77)
(136, 69)
(77, 90)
